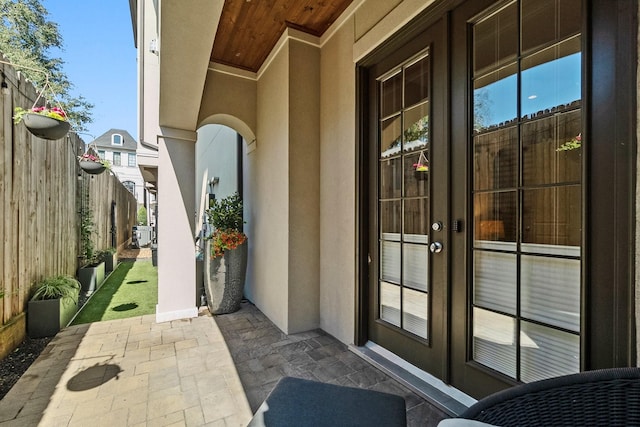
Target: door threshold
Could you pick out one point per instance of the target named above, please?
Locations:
(445, 397)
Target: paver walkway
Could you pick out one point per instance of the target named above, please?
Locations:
(131, 372)
(212, 371)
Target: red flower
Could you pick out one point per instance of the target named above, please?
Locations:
(226, 240)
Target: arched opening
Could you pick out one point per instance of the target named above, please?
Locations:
(222, 147)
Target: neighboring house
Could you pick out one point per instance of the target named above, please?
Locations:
(121, 149)
(448, 185)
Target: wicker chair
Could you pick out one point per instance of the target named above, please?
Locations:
(608, 397)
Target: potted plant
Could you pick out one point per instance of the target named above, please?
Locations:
(91, 274)
(110, 258)
(225, 270)
(43, 122)
(52, 306)
(92, 164)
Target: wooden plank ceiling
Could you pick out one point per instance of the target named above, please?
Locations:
(249, 29)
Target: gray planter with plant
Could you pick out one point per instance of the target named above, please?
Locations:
(226, 250)
(52, 306)
(91, 276)
(110, 258)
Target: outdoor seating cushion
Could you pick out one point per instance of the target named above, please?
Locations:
(303, 403)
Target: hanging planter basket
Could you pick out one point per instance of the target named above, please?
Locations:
(93, 168)
(45, 127)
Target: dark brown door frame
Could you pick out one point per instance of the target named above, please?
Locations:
(610, 176)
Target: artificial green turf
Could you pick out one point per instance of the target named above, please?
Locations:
(131, 290)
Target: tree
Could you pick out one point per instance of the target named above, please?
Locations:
(142, 216)
(26, 36)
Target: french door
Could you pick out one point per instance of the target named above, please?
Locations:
(495, 204)
(408, 202)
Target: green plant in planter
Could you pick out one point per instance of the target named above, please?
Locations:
(225, 271)
(108, 251)
(53, 304)
(225, 215)
(109, 257)
(58, 287)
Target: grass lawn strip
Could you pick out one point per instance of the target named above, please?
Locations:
(131, 290)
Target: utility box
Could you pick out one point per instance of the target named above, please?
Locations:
(142, 235)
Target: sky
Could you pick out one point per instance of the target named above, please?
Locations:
(99, 59)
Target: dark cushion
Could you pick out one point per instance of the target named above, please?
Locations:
(301, 403)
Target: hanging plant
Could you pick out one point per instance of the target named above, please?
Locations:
(423, 164)
(44, 122)
(92, 164)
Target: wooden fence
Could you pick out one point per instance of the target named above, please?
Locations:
(42, 189)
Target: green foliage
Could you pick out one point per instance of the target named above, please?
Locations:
(142, 216)
(87, 225)
(63, 287)
(108, 251)
(26, 38)
(226, 214)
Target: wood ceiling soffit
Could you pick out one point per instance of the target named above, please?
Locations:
(249, 29)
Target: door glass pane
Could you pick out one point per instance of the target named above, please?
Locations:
(390, 140)
(552, 216)
(390, 303)
(527, 190)
(495, 155)
(416, 179)
(551, 149)
(404, 196)
(494, 341)
(495, 216)
(547, 21)
(495, 279)
(416, 82)
(495, 40)
(547, 352)
(551, 291)
(390, 219)
(416, 220)
(414, 269)
(415, 313)
(391, 96)
(390, 261)
(416, 127)
(551, 79)
(498, 88)
(390, 178)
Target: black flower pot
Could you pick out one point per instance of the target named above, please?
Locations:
(93, 168)
(45, 127)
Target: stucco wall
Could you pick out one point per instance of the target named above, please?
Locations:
(338, 186)
(148, 73)
(269, 183)
(227, 96)
(304, 183)
(216, 156)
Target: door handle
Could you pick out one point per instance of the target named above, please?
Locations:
(435, 247)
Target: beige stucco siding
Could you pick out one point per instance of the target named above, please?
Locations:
(304, 186)
(230, 100)
(269, 172)
(337, 186)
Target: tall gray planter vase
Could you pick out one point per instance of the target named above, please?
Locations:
(224, 279)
